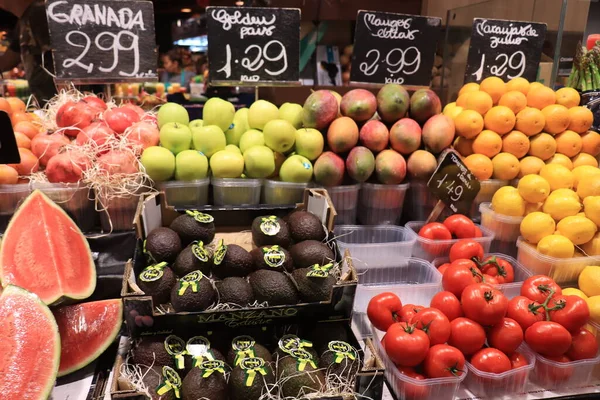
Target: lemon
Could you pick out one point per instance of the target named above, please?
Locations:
(594, 305)
(565, 192)
(533, 207)
(558, 176)
(584, 171)
(556, 246)
(452, 110)
(574, 292)
(591, 207)
(536, 226)
(577, 229)
(508, 201)
(592, 248)
(589, 280)
(588, 186)
(533, 188)
(560, 207)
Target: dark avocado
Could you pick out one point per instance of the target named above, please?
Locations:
(340, 359)
(235, 290)
(152, 380)
(304, 225)
(290, 342)
(310, 252)
(194, 226)
(297, 383)
(242, 389)
(273, 287)
(270, 230)
(195, 257)
(274, 258)
(205, 382)
(237, 261)
(245, 346)
(313, 288)
(184, 298)
(200, 356)
(157, 281)
(322, 334)
(151, 350)
(163, 244)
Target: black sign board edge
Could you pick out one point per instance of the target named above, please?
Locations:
(9, 151)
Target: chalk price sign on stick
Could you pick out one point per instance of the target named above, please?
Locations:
(394, 48)
(252, 45)
(105, 41)
(506, 49)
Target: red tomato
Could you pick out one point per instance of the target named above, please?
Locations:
(572, 312)
(408, 311)
(435, 231)
(478, 232)
(484, 304)
(383, 310)
(525, 311)
(490, 280)
(491, 360)
(466, 335)
(548, 338)
(460, 226)
(447, 303)
(466, 248)
(583, 345)
(442, 268)
(406, 345)
(518, 360)
(467, 263)
(551, 374)
(506, 336)
(539, 287)
(501, 269)
(413, 391)
(434, 323)
(458, 276)
(444, 361)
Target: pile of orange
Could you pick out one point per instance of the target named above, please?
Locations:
(508, 130)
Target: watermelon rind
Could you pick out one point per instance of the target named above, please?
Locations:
(12, 290)
(110, 338)
(85, 292)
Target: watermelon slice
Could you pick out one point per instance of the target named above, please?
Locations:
(86, 330)
(44, 252)
(29, 346)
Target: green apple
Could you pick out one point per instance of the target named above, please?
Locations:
(159, 163)
(280, 135)
(250, 138)
(296, 169)
(175, 136)
(259, 161)
(197, 123)
(309, 143)
(191, 165)
(227, 164)
(260, 113)
(234, 148)
(172, 112)
(218, 112)
(292, 113)
(239, 126)
(209, 139)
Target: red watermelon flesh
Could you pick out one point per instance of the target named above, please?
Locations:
(44, 252)
(29, 346)
(86, 330)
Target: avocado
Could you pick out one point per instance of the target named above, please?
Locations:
(235, 290)
(270, 230)
(151, 350)
(195, 257)
(157, 281)
(340, 359)
(163, 244)
(290, 342)
(273, 287)
(206, 382)
(154, 377)
(304, 225)
(236, 261)
(245, 346)
(274, 258)
(243, 388)
(313, 288)
(194, 226)
(193, 292)
(310, 252)
(297, 383)
(198, 350)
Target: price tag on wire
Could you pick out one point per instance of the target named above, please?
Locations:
(394, 48)
(506, 49)
(9, 153)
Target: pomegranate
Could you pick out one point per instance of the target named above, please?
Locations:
(144, 134)
(97, 132)
(45, 146)
(120, 118)
(96, 103)
(118, 162)
(77, 115)
(67, 167)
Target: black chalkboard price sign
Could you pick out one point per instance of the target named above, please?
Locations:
(9, 153)
(453, 183)
(394, 48)
(251, 46)
(102, 41)
(506, 49)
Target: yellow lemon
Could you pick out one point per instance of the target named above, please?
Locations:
(533, 207)
(508, 201)
(584, 171)
(589, 280)
(588, 186)
(592, 248)
(536, 226)
(560, 207)
(452, 110)
(574, 292)
(558, 176)
(565, 192)
(577, 229)
(594, 306)
(556, 246)
(591, 207)
(533, 188)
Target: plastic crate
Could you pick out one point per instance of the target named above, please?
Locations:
(236, 191)
(562, 270)
(345, 201)
(381, 204)
(429, 250)
(505, 228)
(486, 192)
(190, 194)
(277, 192)
(11, 196)
(419, 202)
(118, 213)
(76, 199)
(374, 245)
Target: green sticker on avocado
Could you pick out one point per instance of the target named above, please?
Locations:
(210, 366)
(153, 272)
(270, 225)
(243, 347)
(175, 346)
(288, 343)
(199, 348)
(319, 271)
(200, 217)
(303, 358)
(252, 366)
(189, 281)
(342, 350)
(220, 253)
(170, 381)
(274, 256)
(200, 252)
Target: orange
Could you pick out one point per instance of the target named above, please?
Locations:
(515, 143)
(590, 143)
(5, 106)
(493, 86)
(560, 159)
(19, 116)
(488, 143)
(514, 100)
(530, 165)
(542, 146)
(480, 165)
(557, 118)
(478, 101)
(567, 97)
(22, 140)
(535, 85)
(540, 97)
(584, 159)
(520, 84)
(580, 119)
(16, 104)
(500, 119)
(463, 146)
(530, 121)
(461, 101)
(506, 166)
(468, 124)
(469, 87)
(568, 143)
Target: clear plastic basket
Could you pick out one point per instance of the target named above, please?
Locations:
(277, 192)
(505, 228)
(345, 201)
(429, 250)
(236, 191)
(11, 196)
(186, 194)
(419, 202)
(487, 191)
(381, 204)
(76, 199)
(119, 212)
